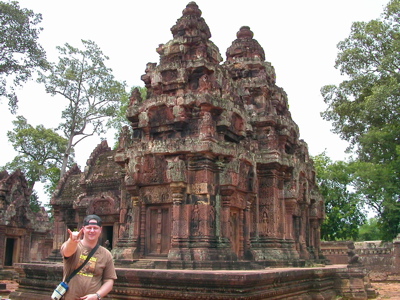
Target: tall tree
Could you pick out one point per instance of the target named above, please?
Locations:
(365, 110)
(20, 52)
(83, 79)
(39, 153)
(342, 205)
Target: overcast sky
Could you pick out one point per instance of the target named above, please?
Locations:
(299, 39)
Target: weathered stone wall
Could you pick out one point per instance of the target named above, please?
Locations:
(38, 280)
(41, 247)
(24, 233)
(382, 260)
(336, 252)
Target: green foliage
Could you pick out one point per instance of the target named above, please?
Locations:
(82, 78)
(20, 52)
(34, 202)
(40, 152)
(369, 231)
(342, 206)
(120, 119)
(389, 221)
(365, 110)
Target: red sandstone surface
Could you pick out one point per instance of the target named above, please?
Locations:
(386, 290)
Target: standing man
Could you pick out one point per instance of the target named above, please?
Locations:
(96, 279)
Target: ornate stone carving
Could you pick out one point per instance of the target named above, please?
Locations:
(25, 234)
(213, 161)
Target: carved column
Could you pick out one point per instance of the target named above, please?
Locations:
(225, 193)
(280, 219)
(304, 231)
(25, 247)
(176, 175)
(314, 235)
(123, 214)
(127, 247)
(134, 231)
(59, 229)
(247, 224)
(314, 229)
(263, 211)
(268, 195)
(141, 227)
(290, 206)
(179, 220)
(255, 213)
(241, 232)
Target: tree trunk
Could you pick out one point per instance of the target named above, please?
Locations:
(66, 157)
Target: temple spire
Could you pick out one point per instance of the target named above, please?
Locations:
(191, 24)
(245, 46)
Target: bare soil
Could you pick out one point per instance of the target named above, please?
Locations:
(387, 290)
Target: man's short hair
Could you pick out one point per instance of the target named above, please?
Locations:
(92, 220)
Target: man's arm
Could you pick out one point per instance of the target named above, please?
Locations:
(102, 292)
(106, 287)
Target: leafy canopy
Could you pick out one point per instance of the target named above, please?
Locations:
(365, 111)
(369, 231)
(38, 150)
(82, 78)
(20, 52)
(342, 205)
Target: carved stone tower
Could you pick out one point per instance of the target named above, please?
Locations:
(214, 168)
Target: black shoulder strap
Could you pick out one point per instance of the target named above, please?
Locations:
(76, 271)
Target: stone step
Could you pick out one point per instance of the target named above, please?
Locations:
(7, 287)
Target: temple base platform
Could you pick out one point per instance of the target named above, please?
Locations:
(37, 281)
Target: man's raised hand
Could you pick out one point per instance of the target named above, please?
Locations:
(75, 236)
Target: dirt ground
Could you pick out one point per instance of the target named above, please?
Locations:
(386, 290)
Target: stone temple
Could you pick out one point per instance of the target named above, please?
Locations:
(210, 175)
(212, 171)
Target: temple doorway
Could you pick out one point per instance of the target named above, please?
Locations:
(11, 246)
(106, 238)
(158, 230)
